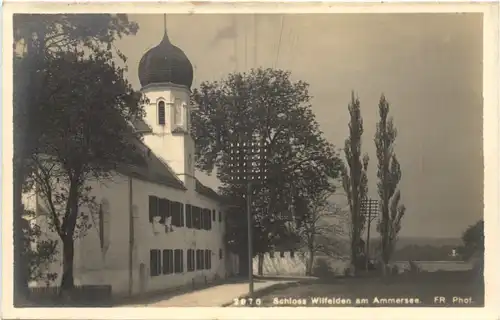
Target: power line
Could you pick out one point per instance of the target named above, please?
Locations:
(279, 41)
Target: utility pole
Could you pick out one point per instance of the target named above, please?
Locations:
(248, 166)
(370, 209)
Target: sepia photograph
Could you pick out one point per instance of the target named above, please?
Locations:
(237, 160)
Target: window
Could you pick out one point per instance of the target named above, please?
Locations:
(179, 261)
(163, 209)
(153, 207)
(206, 219)
(161, 113)
(181, 213)
(292, 254)
(208, 259)
(190, 260)
(282, 254)
(213, 215)
(168, 261)
(221, 254)
(199, 260)
(196, 218)
(189, 216)
(271, 254)
(177, 214)
(220, 216)
(155, 262)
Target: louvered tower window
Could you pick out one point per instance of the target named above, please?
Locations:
(161, 113)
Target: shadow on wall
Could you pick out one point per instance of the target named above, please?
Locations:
(286, 263)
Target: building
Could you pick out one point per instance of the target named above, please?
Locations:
(157, 226)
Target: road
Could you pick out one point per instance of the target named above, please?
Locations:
(431, 290)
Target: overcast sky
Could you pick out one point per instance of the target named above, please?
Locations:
(428, 65)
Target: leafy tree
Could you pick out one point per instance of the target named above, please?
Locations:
(354, 177)
(38, 251)
(37, 38)
(389, 175)
(91, 106)
(319, 231)
(473, 241)
(263, 105)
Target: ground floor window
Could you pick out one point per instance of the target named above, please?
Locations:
(200, 260)
(221, 254)
(168, 261)
(208, 259)
(155, 262)
(190, 260)
(179, 261)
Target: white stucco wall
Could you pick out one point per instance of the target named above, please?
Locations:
(92, 266)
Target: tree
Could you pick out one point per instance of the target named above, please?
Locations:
(38, 251)
(319, 231)
(263, 105)
(37, 38)
(354, 177)
(91, 106)
(389, 175)
(473, 241)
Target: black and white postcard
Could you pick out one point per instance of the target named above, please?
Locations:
(257, 160)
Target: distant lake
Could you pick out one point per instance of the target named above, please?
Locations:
(433, 266)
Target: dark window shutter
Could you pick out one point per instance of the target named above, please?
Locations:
(220, 254)
(174, 213)
(209, 217)
(220, 216)
(197, 216)
(213, 215)
(208, 259)
(153, 207)
(163, 209)
(152, 263)
(178, 261)
(198, 260)
(181, 212)
(189, 216)
(189, 260)
(165, 262)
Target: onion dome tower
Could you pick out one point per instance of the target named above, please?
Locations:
(166, 76)
(165, 63)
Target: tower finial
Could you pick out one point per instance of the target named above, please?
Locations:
(165, 34)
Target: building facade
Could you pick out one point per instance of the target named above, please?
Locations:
(155, 226)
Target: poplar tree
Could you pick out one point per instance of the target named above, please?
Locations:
(389, 175)
(354, 178)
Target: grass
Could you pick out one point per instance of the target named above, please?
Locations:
(424, 287)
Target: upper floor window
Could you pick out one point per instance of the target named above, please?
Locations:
(161, 113)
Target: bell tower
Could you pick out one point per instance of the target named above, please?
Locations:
(166, 76)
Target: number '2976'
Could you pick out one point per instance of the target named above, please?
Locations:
(241, 302)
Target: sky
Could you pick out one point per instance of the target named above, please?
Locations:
(429, 66)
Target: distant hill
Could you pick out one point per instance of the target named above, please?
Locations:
(421, 249)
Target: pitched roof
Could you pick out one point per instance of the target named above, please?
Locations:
(153, 169)
(150, 168)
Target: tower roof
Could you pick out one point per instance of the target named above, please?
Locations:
(165, 63)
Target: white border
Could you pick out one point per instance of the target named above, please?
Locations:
(491, 164)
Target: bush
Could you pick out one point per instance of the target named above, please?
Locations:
(322, 268)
